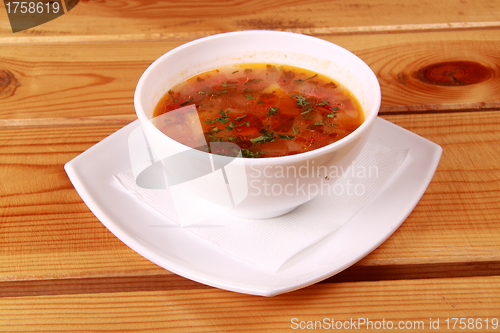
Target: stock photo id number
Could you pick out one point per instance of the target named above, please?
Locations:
(28, 14)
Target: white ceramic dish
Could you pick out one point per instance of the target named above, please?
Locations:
(270, 47)
(181, 252)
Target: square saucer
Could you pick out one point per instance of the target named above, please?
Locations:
(180, 251)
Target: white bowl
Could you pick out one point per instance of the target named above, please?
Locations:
(258, 187)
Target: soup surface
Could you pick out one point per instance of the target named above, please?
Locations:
(267, 110)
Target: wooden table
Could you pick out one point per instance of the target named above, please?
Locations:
(67, 84)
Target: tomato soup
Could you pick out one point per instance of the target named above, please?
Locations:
(268, 110)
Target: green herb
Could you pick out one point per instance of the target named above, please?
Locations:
(286, 136)
(209, 121)
(265, 137)
(249, 97)
(261, 138)
(230, 127)
(187, 102)
(319, 123)
(323, 103)
(332, 115)
(235, 72)
(250, 154)
(240, 118)
(215, 129)
(222, 120)
(301, 100)
(272, 111)
(224, 84)
(302, 80)
(305, 112)
(242, 124)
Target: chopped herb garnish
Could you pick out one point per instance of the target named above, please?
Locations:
(286, 136)
(240, 118)
(230, 127)
(187, 102)
(305, 112)
(250, 154)
(302, 80)
(261, 138)
(301, 100)
(319, 123)
(224, 84)
(222, 120)
(266, 137)
(249, 97)
(272, 111)
(242, 124)
(235, 72)
(332, 115)
(323, 103)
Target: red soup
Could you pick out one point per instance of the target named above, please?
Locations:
(267, 110)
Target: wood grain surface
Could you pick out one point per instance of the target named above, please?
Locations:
(69, 83)
(412, 303)
(57, 237)
(65, 80)
(193, 19)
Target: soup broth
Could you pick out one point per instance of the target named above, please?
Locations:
(267, 110)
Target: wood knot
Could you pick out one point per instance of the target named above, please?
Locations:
(8, 83)
(453, 73)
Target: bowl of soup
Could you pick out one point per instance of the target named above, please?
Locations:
(251, 122)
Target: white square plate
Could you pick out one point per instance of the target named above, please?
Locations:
(181, 252)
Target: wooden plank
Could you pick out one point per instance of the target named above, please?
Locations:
(46, 229)
(458, 217)
(98, 79)
(411, 304)
(48, 233)
(194, 19)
